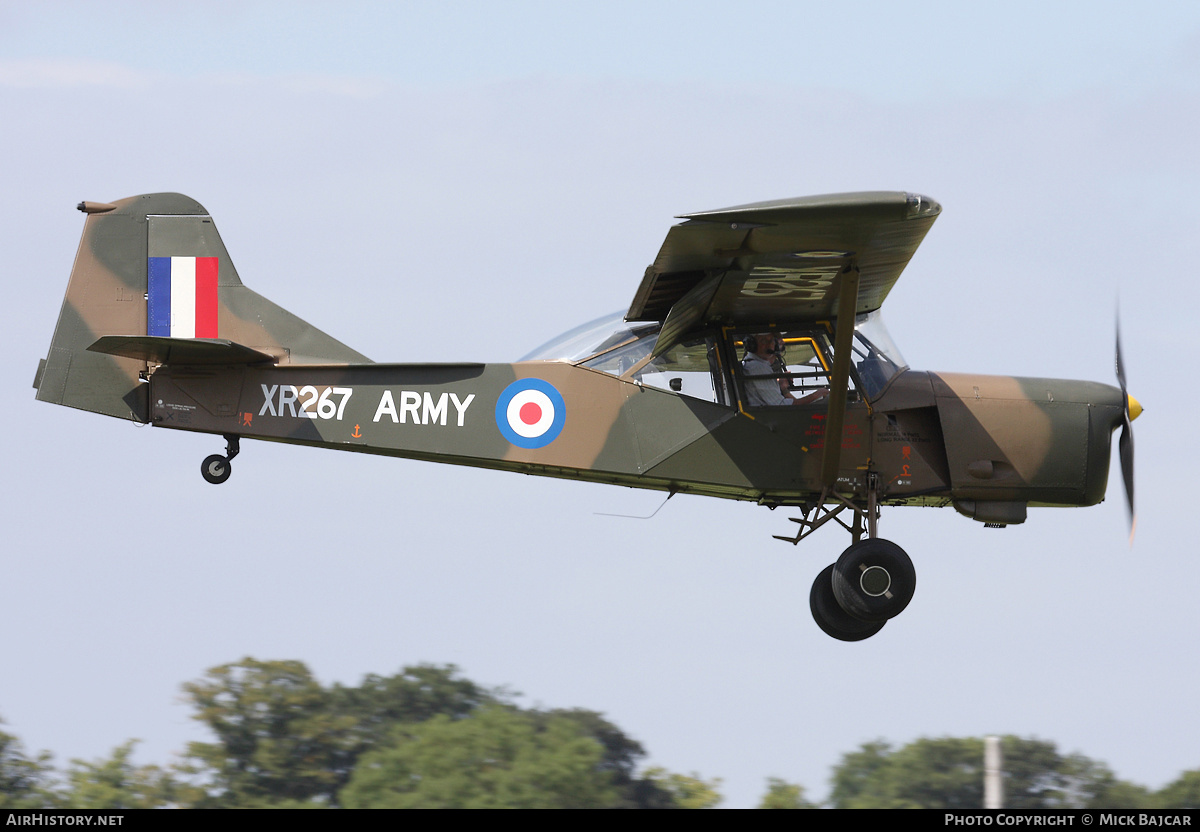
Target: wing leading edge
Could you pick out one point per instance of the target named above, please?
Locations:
(759, 264)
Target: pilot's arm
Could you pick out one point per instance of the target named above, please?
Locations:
(778, 366)
(814, 396)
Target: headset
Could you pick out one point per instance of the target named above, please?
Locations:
(750, 344)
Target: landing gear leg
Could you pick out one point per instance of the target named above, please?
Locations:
(216, 468)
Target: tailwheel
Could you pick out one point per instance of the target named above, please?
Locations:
(215, 469)
(874, 580)
(831, 618)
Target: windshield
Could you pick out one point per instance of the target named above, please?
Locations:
(875, 355)
(590, 339)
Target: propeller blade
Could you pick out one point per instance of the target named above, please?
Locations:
(1126, 441)
(1126, 448)
(1121, 365)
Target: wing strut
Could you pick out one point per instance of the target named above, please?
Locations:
(839, 384)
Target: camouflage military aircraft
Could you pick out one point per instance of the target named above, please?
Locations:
(754, 336)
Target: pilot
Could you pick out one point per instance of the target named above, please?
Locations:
(764, 357)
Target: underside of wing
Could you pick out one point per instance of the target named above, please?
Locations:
(768, 262)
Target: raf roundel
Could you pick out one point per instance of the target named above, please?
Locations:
(531, 413)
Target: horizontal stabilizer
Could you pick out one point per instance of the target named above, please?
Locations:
(162, 350)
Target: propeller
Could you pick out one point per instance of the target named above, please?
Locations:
(1131, 411)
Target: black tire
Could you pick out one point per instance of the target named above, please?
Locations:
(832, 618)
(216, 469)
(874, 580)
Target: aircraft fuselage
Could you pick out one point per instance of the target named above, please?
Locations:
(932, 438)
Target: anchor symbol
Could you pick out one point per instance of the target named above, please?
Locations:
(356, 434)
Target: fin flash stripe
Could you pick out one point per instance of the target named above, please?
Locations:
(181, 297)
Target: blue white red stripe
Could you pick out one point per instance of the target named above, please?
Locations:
(530, 413)
(181, 297)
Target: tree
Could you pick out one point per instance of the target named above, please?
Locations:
(497, 758)
(947, 773)
(687, 791)
(620, 760)
(1182, 793)
(278, 740)
(944, 773)
(784, 795)
(1089, 784)
(415, 694)
(24, 783)
(284, 739)
(116, 783)
(856, 776)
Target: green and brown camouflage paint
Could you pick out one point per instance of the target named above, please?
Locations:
(990, 445)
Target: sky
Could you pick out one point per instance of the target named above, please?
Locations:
(461, 181)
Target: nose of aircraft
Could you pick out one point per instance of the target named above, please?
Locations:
(1135, 408)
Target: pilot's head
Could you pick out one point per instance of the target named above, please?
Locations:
(764, 344)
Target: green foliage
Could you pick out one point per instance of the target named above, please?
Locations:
(116, 783)
(686, 791)
(859, 774)
(24, 783)
(620, 759)
(426, 737)
(497, 758)
(284, 740)
(1183, 793)
(415, 694)
(1088, 784)
(784, 795)
(942, 773)
(278, 739)
(947, 773)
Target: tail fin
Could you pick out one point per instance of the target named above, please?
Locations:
(154, 267)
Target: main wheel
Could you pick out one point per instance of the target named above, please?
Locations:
(215, 469)
(874, 580)
(831, 618)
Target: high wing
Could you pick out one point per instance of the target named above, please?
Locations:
(811, 258)
(784, 260)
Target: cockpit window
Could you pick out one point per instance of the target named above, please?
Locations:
(692, 367)
(610, 345)
(620, 360)
(780, 368)
(875, 355)
(793, 365)
(797, 368)
(592, 338)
